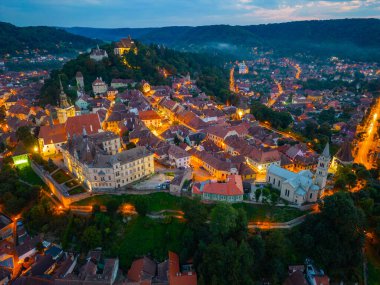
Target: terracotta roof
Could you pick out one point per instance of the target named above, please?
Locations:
(53, 134)
(176, 277)
(142, 269)
(75, 125)
(148, 115)
(233, 187)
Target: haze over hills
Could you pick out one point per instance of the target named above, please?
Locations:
(354, 38)
(57, 41)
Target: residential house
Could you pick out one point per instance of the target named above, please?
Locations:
(178, 157)
(231, 191)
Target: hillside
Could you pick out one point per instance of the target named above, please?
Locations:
(354, 38)
(207, 70)
(56, 41)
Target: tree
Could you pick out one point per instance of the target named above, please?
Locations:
(223, 220)
(141, 206)
(91, 237)
(338, 233)
(3, 114)
(257, 194)
(24, 135)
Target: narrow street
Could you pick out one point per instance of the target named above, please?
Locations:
(369, 144)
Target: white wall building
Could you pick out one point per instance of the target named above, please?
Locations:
(303, 186)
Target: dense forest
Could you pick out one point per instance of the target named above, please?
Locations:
(56, 41)
(353, 38)
(207, 70)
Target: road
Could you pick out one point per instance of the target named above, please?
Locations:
(279, 93)
(369, 143)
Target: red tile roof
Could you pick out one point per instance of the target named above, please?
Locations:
(53, 134)
(233, 187)
(176, 277)
(75, 125)
(148, 115)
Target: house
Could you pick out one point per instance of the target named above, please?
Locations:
(96, 270)
(28, 248)
(178, 277)
(216, 167)
(6, 227)
(261, 158)
(98, 54)
(178, 157)
(99, 86)
(44, 265)
(142, 271)
(295, 278)
(231, 191)
(150, 118)
(51, 138)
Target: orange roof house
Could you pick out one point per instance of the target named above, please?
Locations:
(231, 191)
(175, 276)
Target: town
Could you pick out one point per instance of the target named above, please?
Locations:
(298, 132)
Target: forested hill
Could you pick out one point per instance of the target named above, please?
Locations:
(56, 41)
(355, 38)
(207, 70)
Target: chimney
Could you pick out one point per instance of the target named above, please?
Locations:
(91, 128)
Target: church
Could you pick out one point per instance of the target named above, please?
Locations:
(301, 187)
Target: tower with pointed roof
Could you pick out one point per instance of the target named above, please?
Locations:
(65, 109)
(323, 166)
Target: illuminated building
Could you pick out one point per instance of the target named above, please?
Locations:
(124, 45)
(65, 109)
(98, 162)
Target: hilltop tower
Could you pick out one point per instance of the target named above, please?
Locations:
(323, 166)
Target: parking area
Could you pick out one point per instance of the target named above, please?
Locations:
(153, 182)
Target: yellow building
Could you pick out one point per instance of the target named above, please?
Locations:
(124, 45)
(65, 109)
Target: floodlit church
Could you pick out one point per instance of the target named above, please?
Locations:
(303, 186)
(65, 109)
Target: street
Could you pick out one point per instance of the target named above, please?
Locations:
(370, 142)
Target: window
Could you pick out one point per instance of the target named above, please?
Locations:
(278, 184)
(311, 195)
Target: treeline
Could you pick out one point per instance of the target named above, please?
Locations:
(56, 41)
(207, 70)
(278, 120)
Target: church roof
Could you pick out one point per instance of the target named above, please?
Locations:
(344, 154)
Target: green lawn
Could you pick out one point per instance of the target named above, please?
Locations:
(77, 190)
(27, 174)
(156, 201)
(261, 213)
(61, 177)
(143, 235)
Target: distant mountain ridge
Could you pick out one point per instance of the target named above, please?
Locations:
(346, 37)
(54, 40)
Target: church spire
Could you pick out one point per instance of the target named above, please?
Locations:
(326, 151)
(63, 101)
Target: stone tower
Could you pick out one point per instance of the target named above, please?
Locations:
(323, 167)
(64, 110)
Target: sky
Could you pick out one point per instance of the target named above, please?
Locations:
(159, 13)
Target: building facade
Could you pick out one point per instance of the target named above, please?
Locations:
(98, 162)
